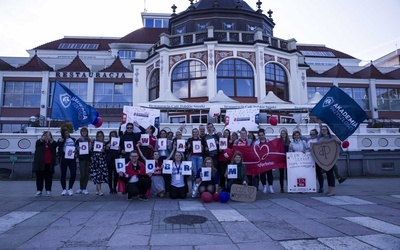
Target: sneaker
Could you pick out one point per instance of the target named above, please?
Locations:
(79, 191)
(85, 191)
(129, 197)
(38, 193)
(64, 192)
(271, 189)
(70, 192)
(342, 179)
(143, 198)
(265, 189)
(48, 193)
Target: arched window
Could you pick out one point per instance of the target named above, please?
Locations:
(276, 81)
(189, 80)
(154, 85)
(236, 78)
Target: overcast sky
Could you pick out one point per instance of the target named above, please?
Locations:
(365, 29)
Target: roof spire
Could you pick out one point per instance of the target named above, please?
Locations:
(270, 14)
(216, 3)
(191, 5)
(173, 7)
(239, 4)
(259, 6)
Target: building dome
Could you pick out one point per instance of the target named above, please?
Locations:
(224, 15)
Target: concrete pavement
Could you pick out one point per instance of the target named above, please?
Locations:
(364, 214)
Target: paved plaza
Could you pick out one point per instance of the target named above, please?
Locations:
(364, 214)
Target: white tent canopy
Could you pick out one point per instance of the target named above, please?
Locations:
(315, 99)
(168, 97)
(272, 98)
(220, 97)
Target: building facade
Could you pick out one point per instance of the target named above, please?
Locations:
(210, 47)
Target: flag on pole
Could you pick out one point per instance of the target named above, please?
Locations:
(340, 112)
(69, 107)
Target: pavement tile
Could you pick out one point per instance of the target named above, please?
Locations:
(375, 224)
(18, 236)
(241, 232)
(345, 243)
(381, 241)
(73, 218)
(314, 228)
(275, 245)
(304, 244)
(9, 220)
(139, 236)
(280, 230)
(228, 215)
(346, 227)
(52, 238)
(188, 239)
(42, 219)
(135, 217)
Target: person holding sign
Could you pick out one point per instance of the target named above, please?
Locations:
(319, 171)
(241, 179)
(207, 177)
(83, 144)
(286, 142)
(194, 152)
(225, 154)
(98, 163)
(210, 144)
(137, 182)
(147, 142)
(44, 162)
(67, 149)
(265, 176)
(112, 152)
(178, 186)
(157, 181)
(325, 134)
(129, 139)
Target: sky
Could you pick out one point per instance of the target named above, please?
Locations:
(365, 29)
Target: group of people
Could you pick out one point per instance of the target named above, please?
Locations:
(97, 157)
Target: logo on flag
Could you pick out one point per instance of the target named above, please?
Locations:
(69, 107)
(340, 112)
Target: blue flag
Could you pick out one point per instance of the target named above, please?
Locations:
(340, 112)
(69, 107)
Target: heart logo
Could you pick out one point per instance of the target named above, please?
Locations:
(261, 151)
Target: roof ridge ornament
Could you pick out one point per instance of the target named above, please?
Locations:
(259, 6)
(173, 7)
(191, 7)
(270, 14)
(216, 4)
(239, 4)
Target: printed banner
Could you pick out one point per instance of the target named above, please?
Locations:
(187, 168)
(144, 116)
(206, 174)
(232, 171)
(301, 172)
(69, 152)
(196, 147)
(340, 112)
(236, 119)
(223, 143)
(180, 145)
(260, 158)
(128, 146)
(144, 139)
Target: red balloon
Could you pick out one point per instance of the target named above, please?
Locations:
(345, 144)
(206, 197)
(273, 120)
(216, 197)
(99, 123)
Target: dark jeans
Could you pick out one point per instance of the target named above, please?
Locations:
(112, 175)
(264, 178)
(221, 172)
(84, 171)
(71, 164)
(177, 193)
(320, 175)
(138, 188)
(45, 176)
(282, 177)
(331, 178)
